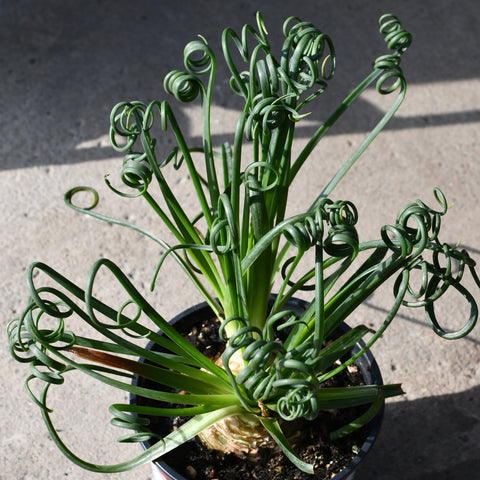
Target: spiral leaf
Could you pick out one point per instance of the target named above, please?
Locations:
(235, 242)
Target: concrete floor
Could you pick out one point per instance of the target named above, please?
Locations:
(63, 65)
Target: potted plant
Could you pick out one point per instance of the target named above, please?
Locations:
(275, 357)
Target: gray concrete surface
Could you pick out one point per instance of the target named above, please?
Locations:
(64, 64)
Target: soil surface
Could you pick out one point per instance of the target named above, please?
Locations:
(194, 461)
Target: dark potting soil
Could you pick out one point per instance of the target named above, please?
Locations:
(194, 461)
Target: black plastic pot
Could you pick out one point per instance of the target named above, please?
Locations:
(366, 363)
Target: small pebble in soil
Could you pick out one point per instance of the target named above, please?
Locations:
(191, 472)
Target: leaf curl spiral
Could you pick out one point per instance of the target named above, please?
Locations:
(398, 40)
(274, 90)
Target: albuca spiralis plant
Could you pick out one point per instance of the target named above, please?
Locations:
(236, 250)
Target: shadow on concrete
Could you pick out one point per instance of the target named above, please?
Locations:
(434, 438)
(65, 64)
(370, 114)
